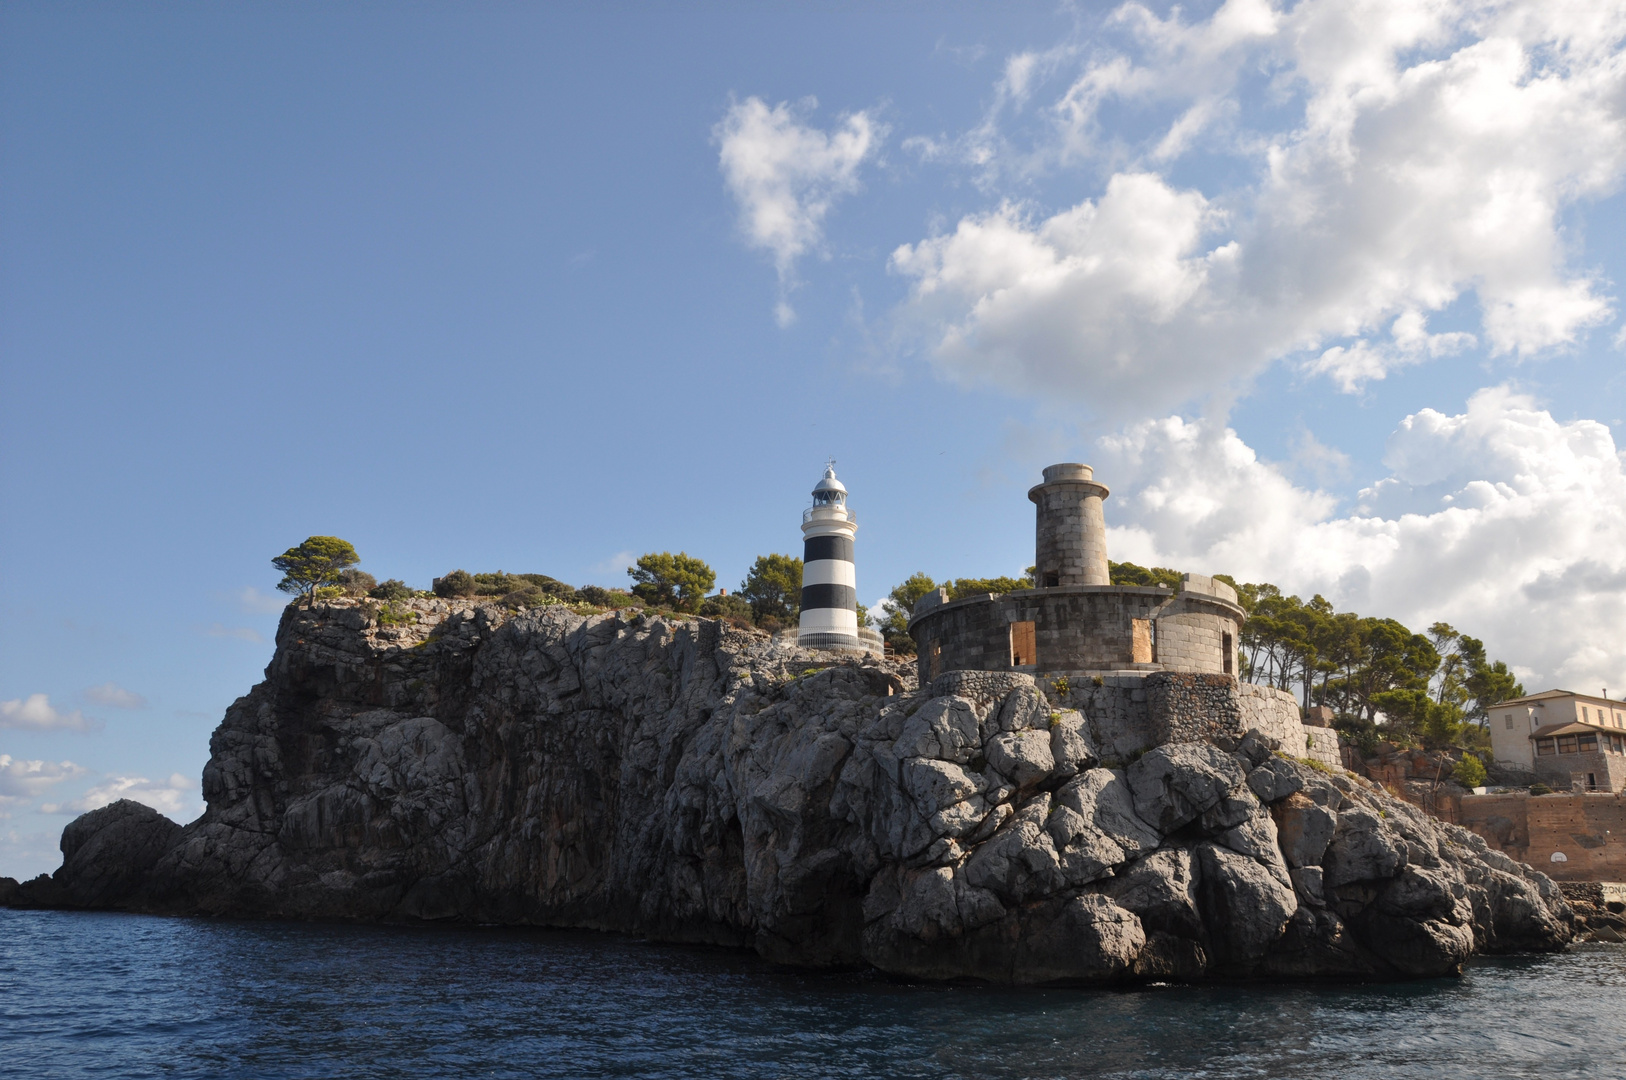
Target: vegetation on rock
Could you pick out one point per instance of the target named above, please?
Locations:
(773, 587)
(317, 563)
(679, 582)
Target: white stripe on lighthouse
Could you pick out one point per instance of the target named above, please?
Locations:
(830, 572)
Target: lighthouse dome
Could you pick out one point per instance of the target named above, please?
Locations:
(829, 483)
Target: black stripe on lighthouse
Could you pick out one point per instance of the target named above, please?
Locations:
(838, 597)
(816, 548)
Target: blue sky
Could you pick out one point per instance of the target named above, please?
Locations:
(1326, 292)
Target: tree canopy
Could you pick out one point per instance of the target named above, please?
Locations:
(679, 582)
(773, 587)
(1433, 687)
(319, 561)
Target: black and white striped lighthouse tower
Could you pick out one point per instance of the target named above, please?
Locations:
(829, 583)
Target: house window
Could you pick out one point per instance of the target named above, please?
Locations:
(1140, 641)
(934, 658)
(1592, 781)
(1510, 721)
(1024, 649)
(1544, 747)
(1583, 714)
(1589, 744)
(1566, 744)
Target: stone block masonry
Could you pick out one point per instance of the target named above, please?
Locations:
(1184, 707)
(1071, 530)
(1570, 837)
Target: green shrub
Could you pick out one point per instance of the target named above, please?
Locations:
(604, 598)
(529, 596)
(1359, 733)
(328, 592)
(355, 582)
(391, 591)
(1540, 789)
(391, 615)
(457, 583)
(733, 608)
(552, 586)
(1470, 771)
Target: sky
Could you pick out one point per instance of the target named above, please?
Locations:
(1326, 292)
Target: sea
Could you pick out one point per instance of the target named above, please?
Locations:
(129, 996)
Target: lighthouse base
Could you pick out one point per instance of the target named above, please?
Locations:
(865, 641)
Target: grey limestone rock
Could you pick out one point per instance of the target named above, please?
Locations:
(106, 857)
(690, 781)
(1304, 829)
(1174, 784)
(1362, 849)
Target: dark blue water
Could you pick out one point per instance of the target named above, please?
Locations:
(128, 996)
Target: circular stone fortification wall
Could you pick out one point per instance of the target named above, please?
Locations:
(1078, 628)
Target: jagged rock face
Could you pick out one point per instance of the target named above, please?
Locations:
(691, 781)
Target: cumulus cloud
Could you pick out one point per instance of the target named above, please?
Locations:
(115, 696)
(1431, 151)
(36, 713)
(785, 175)
(1499, 519)
(172, 797)
(21, 780)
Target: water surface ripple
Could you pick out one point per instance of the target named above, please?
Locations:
(105, 995)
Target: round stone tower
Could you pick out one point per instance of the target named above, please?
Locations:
(829, 582)
(1072, 533)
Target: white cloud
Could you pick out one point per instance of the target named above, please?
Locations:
(1501, 520)
(115, 696)
(785, 175)
(237, 633)
(252, 601)
(1430, 151)
(617, 564)
(172, 797)
(21, 780)
(36, 713)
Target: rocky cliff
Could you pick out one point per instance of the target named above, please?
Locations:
(692, 781)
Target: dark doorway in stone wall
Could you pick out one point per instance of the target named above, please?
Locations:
(1225, 652)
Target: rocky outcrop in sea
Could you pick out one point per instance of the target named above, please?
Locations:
(692, 781)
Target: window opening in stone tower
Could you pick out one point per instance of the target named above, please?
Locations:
(1024, 644)
(1051, 581)
(1225, 653)
(934, 655)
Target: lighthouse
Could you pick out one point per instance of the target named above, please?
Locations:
(829, 583)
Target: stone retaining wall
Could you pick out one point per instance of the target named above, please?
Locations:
(1588, 831)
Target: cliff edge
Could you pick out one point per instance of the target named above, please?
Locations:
(690, 781)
